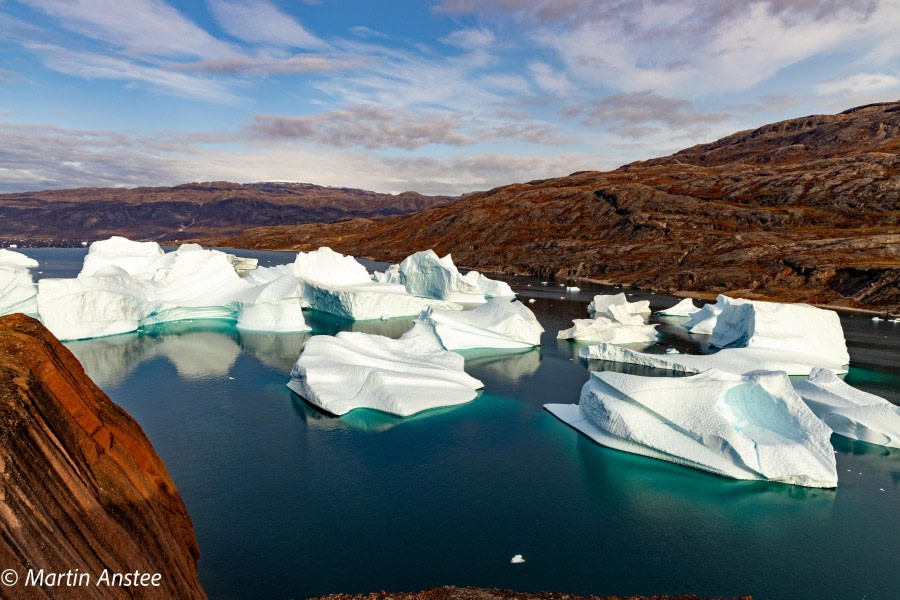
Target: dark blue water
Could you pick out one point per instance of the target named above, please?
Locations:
(288, 502)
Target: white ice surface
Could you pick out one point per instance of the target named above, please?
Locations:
(18, 292)
(851, 412)
(116, 294)
(497, 324)
(601, 305)
(607, 330)
(799, 328)
(704, 320)
(359, 370)
(683, 308)
(751, 426)
(732, 360)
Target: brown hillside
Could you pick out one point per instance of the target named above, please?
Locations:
(802, 210)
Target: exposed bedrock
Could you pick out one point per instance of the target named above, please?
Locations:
(82, 488)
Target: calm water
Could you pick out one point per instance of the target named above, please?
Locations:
(288, 502)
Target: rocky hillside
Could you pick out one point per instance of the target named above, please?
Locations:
(803, 210)
(68, 217)
(83, 491)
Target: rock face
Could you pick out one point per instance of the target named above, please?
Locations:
(165, 214)
(802, 210)
(82, 488)
(471, 593)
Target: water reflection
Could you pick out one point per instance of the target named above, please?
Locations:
(512, 364)
(360, 419)
(658, 489)
(326, 324)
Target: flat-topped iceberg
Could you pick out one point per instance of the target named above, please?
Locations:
(341, 286)
(425, 274)
(751, 426)
(813, 335)
(17, 290)
(732, 360)
(608, 305)
(684, 308)
(851, 412)
(360, 370)
(497, 324)
(116, 294)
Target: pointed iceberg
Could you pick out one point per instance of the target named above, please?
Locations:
(497, 324)
(751, 426)
(425, 274)
(360, 370)
(851, 412)
(684, 308)
(704, 320)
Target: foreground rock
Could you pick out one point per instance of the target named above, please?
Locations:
(805, 210)
(472, 593)
(751, 426)
(82, 486)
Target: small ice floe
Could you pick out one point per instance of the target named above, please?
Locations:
(573, 288)
(531, 301)
(562, 285)
(231, 378)
(84, 243)
(517, 559)
(882, 489)
(13, 245)
(672, 351)
(876, 319)
(562, 297)
(544, 282)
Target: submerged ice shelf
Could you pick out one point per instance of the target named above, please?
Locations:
(751, 426)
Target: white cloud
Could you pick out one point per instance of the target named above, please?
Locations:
(861, 82)
(549, 79)
(260, 21)
(470, 39)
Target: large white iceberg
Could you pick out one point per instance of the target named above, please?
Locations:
(17, 290)
(341, 286)
(851, 412)
(145, 286)
(684, 308)
(751, 426)
(426, 274)
(608, 305)
(812, 335)
(496, 324)
(704, 320)
(732, 360)
(359, 370)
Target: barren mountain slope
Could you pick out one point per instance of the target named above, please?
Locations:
(802, 210)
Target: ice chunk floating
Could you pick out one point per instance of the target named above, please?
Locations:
(602, 305)
(851, 412)
(17, 290)
(361, 370)
(684, 308)
(425, 274)
(619, 326)
(497, 324)
(751, 426)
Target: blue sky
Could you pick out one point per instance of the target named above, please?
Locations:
(442, 96)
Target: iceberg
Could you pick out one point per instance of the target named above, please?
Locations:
(813, 335)
(751, 426)
(850, 412)
(497, 324)
(684, 308)
(602, 305)
(704, 320)
(731, 360)
(427, 275)
(17, 290)
(119, 293)
(341, 286)
(619, 326)
(360, 370)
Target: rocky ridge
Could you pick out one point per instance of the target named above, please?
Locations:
(68, 217)
(82, 491)
(802, 210)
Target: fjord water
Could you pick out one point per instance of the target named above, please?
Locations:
(288, 502)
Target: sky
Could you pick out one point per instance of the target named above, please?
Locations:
(435, 96)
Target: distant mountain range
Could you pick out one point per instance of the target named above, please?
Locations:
(802, 210)
(218, 208)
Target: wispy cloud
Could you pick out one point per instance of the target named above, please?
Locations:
(264, 65)
(260, 21)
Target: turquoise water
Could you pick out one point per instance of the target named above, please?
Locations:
(288, 502)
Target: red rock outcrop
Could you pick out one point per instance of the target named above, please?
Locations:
(82, 491)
